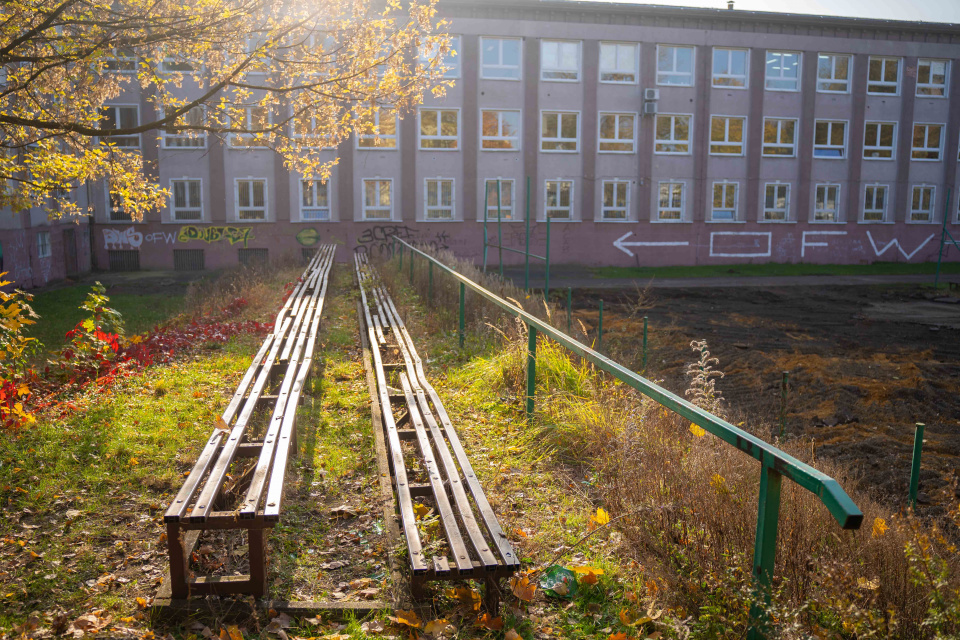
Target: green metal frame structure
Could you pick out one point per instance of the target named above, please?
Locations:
(775, 464)
(526, 252)
(944, 234)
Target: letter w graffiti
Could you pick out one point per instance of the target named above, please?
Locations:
(896, 243)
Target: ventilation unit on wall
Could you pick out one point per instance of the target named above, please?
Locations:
(651, 94)
(649, 108)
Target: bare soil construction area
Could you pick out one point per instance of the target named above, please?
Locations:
(864, 365)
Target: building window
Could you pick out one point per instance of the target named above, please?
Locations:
(932, 78)
(616, 200)
(186, 199)
(726, 135)
(670, 201)
(875, 203)
(780, 137)
(559, 199)
(921, 205)
(450, 60)
(379, 130)
(120, 117)
(115, 210)
(883, 76)
(122, 61)
(672, 134)
(927, 141)
(559, 131)
(826, 203)
(188, 260)
(829, 139)
(175, 137)
(878, 140)
(617, 132)
(307, 129)
(438, 128)
(176, 65)
(252, 199)
(377, 199)
(833, 73)
(783, 71)
(618, 62)
(500, 58)
(43, 244)
(314, 200)
(675, 65)
(560, 60)
(500, 130)
(249, 127)
(438, 199)
(505, 210)
(725, 196)
(730, 68)
(776, 202)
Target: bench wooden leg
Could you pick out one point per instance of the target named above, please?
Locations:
(258, 562)
(491, 595)
(418, 587)
(179, 589)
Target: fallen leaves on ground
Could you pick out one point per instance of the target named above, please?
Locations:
(488, 621)
(407, 618)
(523, 588)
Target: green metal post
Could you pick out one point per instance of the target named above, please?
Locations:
(526, 265)
(915, 470)
(569, 307)
(430, 279)
(765, 546)
(546, 281)
(499, 231)
(463, 311)
(783, 403)
(943, 232)
(401, 257)
(411, 267)
(393, 246)
(600, 328)
(531, 369)
(486, 240)
(644, 344)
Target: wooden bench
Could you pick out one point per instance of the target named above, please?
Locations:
(476, 546)
(252, 500)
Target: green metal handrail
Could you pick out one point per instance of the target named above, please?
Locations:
(775, 464)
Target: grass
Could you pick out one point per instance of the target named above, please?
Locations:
(778, 269)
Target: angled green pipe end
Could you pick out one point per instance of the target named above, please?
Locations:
(841, 507)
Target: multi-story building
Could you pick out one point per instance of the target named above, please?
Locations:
(648, 135)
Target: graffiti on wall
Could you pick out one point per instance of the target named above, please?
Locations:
(896, 243)
(376, 240)
(128, 238)
(233, 235)
(308, 237)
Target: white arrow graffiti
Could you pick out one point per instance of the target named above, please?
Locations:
(620, 243)
(896, 243)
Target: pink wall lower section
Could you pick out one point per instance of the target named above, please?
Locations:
(27, 270)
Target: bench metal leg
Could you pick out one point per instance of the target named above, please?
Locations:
(258, 562)
(179, 589)
(418, 587)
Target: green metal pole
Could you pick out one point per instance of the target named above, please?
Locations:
(463, 311)
(411, 267)
(600, 328)
(526, 268)
(393, 246)
(401, 257)
(430, 279)
(915, 470)
(486, 240)
(943, 231)
(499, 231)
(531, 370)
(765, 546)
(569, 308)
(546, 281)
(644, 344)
(784, 381)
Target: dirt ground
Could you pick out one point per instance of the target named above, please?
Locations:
(864, 365)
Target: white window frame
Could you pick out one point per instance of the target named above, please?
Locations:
(779, 143)
(451, 60)
(672, 140)
(120, 62)
(559, 139)
(730, 80)
(514, 141)
(365, 207)
(933, 89)
(508, 212)
(439, 137)
(44, 248)
(616, 70)
(683, 200)
(663, 75)
(169, 63)
(781, 77)
(197, 141)
(764, 217)
(115, 214)
(393, 138)
(115, 140)
(926, 139)
(868, 201)
(559, 73)
(568, 208)
(617, 184)
(725, 185)
(244, 140)
(500, 65)
(726, 142)
(832, 79)
(266, 199)
(174, 217)
(632, 141)
(933, 204)
(892, 149)
(314, 187)
(873, 85)
(427, 208)
(818, 211)
(829, 146)
(309, 139)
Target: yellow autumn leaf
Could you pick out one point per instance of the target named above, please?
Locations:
(599, 519)
(697, 431)
(719, 483)
(879, 527)
(23, 390)
(407, 618)
(512, 635)
(89, 325)
(586, 569)
(868, 585)
(523, 588)
(421, 510)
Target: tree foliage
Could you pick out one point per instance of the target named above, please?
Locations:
(295, 76)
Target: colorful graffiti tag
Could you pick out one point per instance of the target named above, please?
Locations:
(376, 240)
(233, 235)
